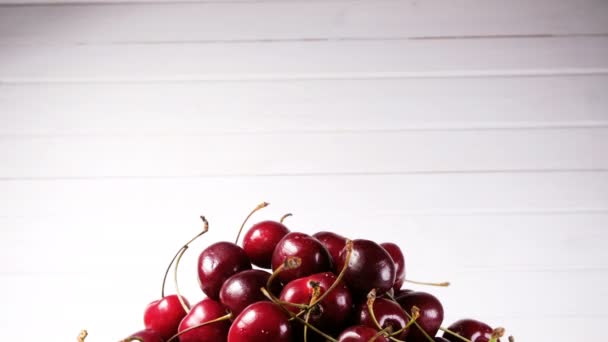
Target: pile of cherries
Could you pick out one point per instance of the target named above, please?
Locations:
(323, 287)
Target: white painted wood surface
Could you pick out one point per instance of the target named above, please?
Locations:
(473, 133)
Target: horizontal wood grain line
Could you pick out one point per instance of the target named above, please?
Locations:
(307, 60)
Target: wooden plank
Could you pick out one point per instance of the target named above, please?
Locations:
(413, 194)
(217, 21)
(304, 60)
(381, 152)
(329, 105)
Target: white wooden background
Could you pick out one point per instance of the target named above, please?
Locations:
(473, 133)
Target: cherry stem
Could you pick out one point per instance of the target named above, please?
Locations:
(442, 284)
(290, 263)
(415, 315)
(371, 298)
(349, 252)
(497, 333)
(205, 229)
(429, 338)
(454, 334)
(284, 217)
(259, 206)
(384, 332)
(179, 295)
(219, 319)
(312, 327)
(316, 290)
(83, 334)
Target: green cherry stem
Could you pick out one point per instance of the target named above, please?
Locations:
(442, 284)
(284, 217)
(415, 315)
(384, 332)
(258, 207)
(349, 252)
(205, 230)
(454, 334)
(429, 338)
(219, 319)
(290, 263)
(497, 333)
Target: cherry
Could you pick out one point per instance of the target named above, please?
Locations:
(206, 322)
(165, 314)
(386, 313)
(431, 314)
(441, 339)
(471, 329)
(261, 321)
(401, 292)
(397, 255)
(332, 311)
(314, 256)
(370, 267)
(361, 333)
(219, 262)
(146, 335)
(334, 244)
(243, 289)
(260, 241)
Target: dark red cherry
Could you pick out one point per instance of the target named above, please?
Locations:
(431, 314)
(441, 339)
(263, 322)
(314, 256)
(205, 311)
(261, 239)
(401, 292)
(146, 335)
(164, 315)
(243, 289)
(360, 333)
(370, 267)
(332, 312)
(219, 262)
(471, 329)
(397, 255)
(334, 243)
(387, 312)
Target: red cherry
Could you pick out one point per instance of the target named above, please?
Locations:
(146, 335)
(397, 255)
(401, 292)
(471, 329)
(164, 315)
(263, 322)
(360, 333)
(370, 267)
(314, 256)
(387, 313)
(261, 239)
(219, 262)
(334, 243)
(243, 289)
(205, 311)
(431, 314)
(330, 314)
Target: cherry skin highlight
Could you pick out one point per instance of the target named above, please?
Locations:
(387, 312)
(263, 322)
(370, 267)
(431, 314)
(205, 311)
(334, 243)
(471, 329)
(360, 333)
(219, 262)
(164, 315)
(397, 255)
(260, 241)
(315, 257)
(146, 335)
(243, 289)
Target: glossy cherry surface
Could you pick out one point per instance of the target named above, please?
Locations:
(431, 314)
(243, 289)
(206, 310)
(146, 335)
(334, 243)
(219, 262)
(370, 267)
(360, 333)
(397, 255)
(471, 329)
(329, 315)
(260, 241)
(263, 322)
(164, 315)
(315, 257)
(387, 312)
